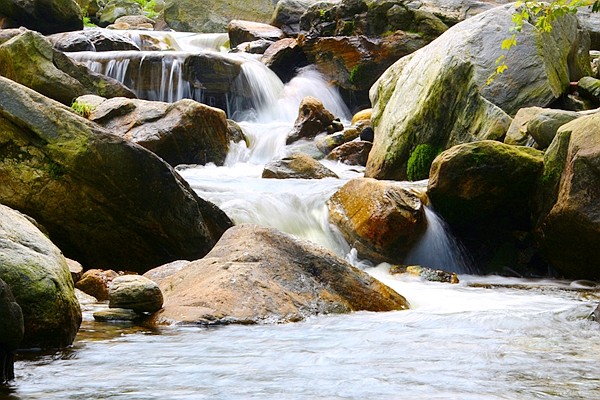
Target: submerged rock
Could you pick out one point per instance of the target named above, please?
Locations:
(39, 278)
(568, 200)
(106, 202)
(381, 219)
(184, 132)
(30, 60)
(117, 315)
(429, 274)
(299, 166)
(260, 275)
(439, 95)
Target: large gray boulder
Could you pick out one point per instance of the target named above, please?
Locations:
(438, 95)
(568, 200)
(288, 13)
(30, 60)
(45, 16)
(92, 40)
(106, 202)
(260, 275)
(455, 11)
(214, 15)
(39, 278)
(184, 132)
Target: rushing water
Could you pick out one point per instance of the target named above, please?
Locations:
(485, 338)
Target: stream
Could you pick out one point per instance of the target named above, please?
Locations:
(487, 337)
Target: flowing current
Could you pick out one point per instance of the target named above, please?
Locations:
(485, 338)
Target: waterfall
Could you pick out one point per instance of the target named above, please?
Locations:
(438, 248)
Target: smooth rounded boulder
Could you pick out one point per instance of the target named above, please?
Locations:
(299, 166)
(260, 275)
(568, 200)
(30, 60)
(135, 292)
(106, 202)
(184, 132)
(381, 219)
(442, 94)
(40, 281)
(485, 184)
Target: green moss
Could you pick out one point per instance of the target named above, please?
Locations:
(358, 75)
(82, 108)
(55, 170)
(420, 160)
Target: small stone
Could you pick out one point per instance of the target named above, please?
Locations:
(116, 315)
(135, 292)
(429, 274)
(95, 282)
(76, 269)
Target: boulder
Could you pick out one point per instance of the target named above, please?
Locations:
(115, 9)
(44, 16)
(11, 331)
(288, 13)
(487, 184)
(30, 60)
(299, 166)
(428, 274)
(455, 11)
(39, 278)
(368, 18)
(117, 315)
(544, 125)
(285, 57)
(105, 201)
(241, 31)
(569, 200)
(517, 131)
(213, 16)
(7, 34)
(76, 270)
(590, 88)
(484, 190)
(313, 118)
(329, 142)
(356, 62)
(362, 116)
(135, 292)
(439, 95)
(351, 153)
(254, 47)
(96, 282)
(260, 275)
(590, 21)
(382, 220)
(184, 132)
(92, 40)
(135, 22)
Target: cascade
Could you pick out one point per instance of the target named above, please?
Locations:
(438, 248)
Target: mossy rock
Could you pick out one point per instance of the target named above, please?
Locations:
(40, 280)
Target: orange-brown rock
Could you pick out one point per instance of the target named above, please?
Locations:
(96, 282)
(260, 275)
(381, 219)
